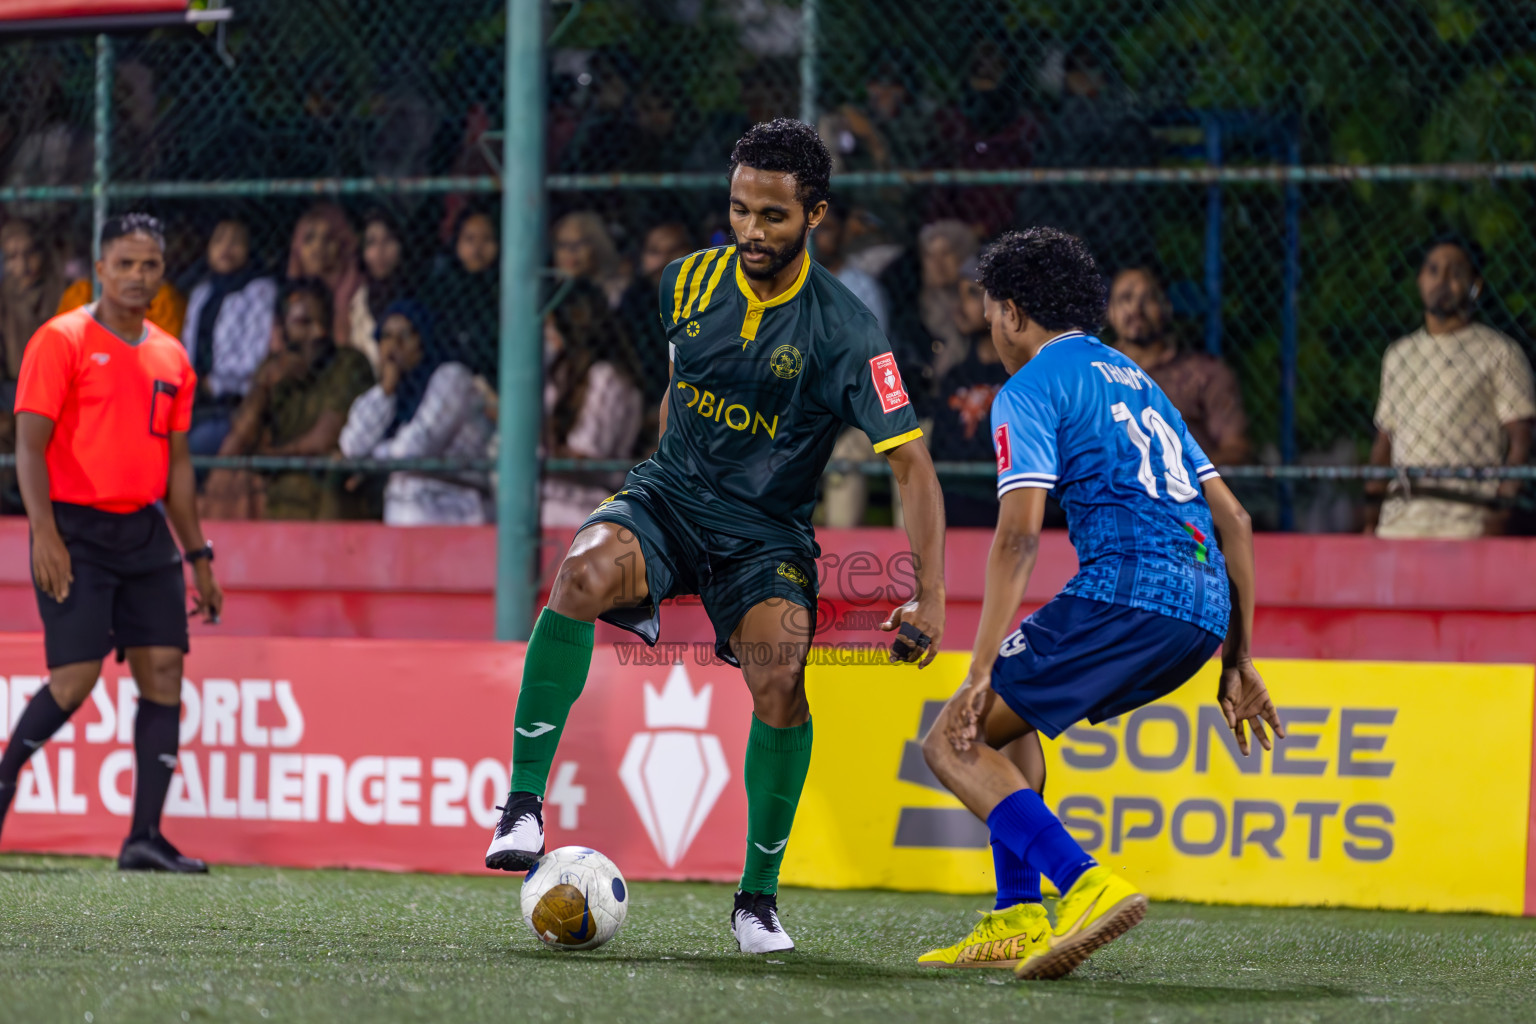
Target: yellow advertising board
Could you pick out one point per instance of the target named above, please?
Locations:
(1403, 785)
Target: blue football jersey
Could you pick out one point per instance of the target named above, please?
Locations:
(1082, 421)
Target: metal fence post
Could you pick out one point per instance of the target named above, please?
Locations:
(102, 151)
(808, 82)
(1213, 239)
(1288, 329)
(521, 365)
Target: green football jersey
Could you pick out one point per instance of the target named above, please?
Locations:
(760, 391)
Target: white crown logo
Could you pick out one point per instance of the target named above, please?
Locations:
(674, 777)
(677, 706)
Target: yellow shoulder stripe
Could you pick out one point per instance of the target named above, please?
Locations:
(892, 442)
(698, 281)
(714, 279)
(677, 289)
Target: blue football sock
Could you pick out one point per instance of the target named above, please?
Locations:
(1017, 882)
(1032, 833)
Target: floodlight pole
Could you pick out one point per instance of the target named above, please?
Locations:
(521, 364)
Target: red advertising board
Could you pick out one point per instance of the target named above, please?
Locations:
(393, 755)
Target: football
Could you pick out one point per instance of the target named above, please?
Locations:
(574, 898)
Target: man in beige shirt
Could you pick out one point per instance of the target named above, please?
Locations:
(1453, 393)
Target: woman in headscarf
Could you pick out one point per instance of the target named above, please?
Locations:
(29, 294)
(944, 246)
(423, 406)
(324, 246)
(584, 249)
(383, 280)
(464, 291)
(593, 403)
(228, 331)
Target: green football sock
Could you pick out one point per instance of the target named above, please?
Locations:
(554, 672)
(777, 762)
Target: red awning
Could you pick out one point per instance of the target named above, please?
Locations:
(34, 10)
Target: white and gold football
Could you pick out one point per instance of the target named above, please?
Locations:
(574, 898)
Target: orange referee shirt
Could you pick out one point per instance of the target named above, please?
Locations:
(113, 407)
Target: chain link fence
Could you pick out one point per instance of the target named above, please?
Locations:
(1277, 169)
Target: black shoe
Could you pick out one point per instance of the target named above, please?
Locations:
(518, 842)
(755, 924)
(154, 852)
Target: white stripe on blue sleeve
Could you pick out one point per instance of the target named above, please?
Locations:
(1015, 483)
(1206, 472)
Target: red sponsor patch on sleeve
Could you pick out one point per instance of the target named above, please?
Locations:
(1004, 454)
(888, 382)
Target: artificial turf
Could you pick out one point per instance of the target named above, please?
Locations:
(80, 942)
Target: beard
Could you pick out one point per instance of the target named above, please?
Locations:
(778, 259)
(1441, 304)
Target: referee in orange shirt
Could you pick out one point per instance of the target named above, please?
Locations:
(103, 404)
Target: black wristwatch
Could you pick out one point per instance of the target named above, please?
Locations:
(206, 551)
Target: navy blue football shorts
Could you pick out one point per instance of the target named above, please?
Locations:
(1076, 658)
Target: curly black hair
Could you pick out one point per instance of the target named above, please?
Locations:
(132, 224)
(1050, 274)
(792, 147)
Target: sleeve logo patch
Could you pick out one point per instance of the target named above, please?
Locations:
(888, 382)
(1004, 453)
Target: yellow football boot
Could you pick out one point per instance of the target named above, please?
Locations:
(1100, 908)
(1002, 938)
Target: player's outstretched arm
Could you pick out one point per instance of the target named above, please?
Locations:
(1015, 546)
(923, 503)
(1241, 692)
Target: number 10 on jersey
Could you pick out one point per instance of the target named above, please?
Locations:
(1175, 474)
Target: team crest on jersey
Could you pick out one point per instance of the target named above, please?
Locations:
(693, 328)
(785, 361)
(888, 382)
(794, 574)
(1004, 453)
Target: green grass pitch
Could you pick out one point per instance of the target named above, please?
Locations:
(81, 943)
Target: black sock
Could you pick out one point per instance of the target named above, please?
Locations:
(42, 718)
(155, 736)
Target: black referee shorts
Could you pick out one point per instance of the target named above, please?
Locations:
(129, 590)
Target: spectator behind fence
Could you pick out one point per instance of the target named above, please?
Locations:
(828, 241)
(1203, 388)
(424, 405)
(962, 415)
(324, 246)
(29, 294)
(463, 292)
(890, 131)
(846, 495)
(584, 249)
(383, 281)
(297, 405)
(924, 313)
(593, 404)
(1453, 393)
(663, 244)
(228, 332)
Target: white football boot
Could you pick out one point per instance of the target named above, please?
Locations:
(518, 842)
(755, 923)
